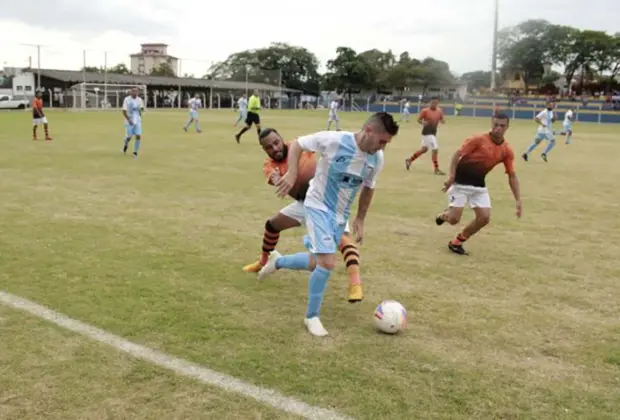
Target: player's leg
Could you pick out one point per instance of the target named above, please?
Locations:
(249, 120)
(480, 201)
(197, 124)
(137, 131)
(550, 146)
(568, 131)
(351, 257)
(289, 217)
(457, 198)
(128, 136)
(423, 149)
(35, 125)
(539, 137)
(329, 122)
(189, 122)
(337, 120)
(257, 124)
(434, 146)
(46, 128)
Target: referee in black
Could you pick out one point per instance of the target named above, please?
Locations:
(253, 116)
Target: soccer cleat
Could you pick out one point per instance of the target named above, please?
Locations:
(524, 156)
(185, 129)
(439, 220)
(315, 327)
(544, 157)
(356, 293)
(439, 172)
(48, 138)
(408, 163)
(238, 138)
(457, 249)
(255, 267)
(135, 155)
(270, 267)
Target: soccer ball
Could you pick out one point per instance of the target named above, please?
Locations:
(390, 317)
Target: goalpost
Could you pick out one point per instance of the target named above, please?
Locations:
(103, 96)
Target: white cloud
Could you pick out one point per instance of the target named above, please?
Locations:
(200, 32)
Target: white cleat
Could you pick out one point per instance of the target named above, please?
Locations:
(270, 267)
(315, 327)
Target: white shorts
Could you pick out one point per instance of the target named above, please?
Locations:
(39, 121)
(332, 117)
(474, 197)
(297, 212)
(430, 142)
(568, 126)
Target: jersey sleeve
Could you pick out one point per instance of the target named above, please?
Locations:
(315, 142)
(469, 146)
(126, 104)
(509, 161)
(371, 179)
(541, 115)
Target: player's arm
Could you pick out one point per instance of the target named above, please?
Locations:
(443, 117)
(126, 111)
(513, 181)
(539, 119)
(365, 199)
(36, 109)
(422, 117)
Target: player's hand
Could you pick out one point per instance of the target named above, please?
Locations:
(358, 230)
(447, 184)
(274, 177)
(519, 207)
(285, 184)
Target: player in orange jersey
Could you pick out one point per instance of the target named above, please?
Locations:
(429, 118)
(293, 215)
(38, 117)
(466, 182)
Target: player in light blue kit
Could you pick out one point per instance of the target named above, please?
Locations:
(544, 119)
(132, 111)
(194, 104)
(348, 162)
(242, 104)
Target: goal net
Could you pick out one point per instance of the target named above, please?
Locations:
(103, 96)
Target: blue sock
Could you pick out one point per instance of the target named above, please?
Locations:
(299, 261)
(187, 124)
(136, 146)
(531, 148)
(550, 146)
(197, 125)
(316, 290)
(127, 140)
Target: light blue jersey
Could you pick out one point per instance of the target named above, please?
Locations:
(545, 128)
(341, 171)
(133, 107)
(194, 105)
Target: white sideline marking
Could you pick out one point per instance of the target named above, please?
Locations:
(179, 366)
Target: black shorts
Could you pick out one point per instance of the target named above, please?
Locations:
(252, 118)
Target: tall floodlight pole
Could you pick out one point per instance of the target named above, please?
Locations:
(494, 53)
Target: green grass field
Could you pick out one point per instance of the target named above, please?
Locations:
(151, 249)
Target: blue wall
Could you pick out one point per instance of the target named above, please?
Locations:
(469, 110)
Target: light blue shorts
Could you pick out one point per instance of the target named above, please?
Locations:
(568, 127)
(133, 130)
(193, 114)
(544, 136)
(324, 233)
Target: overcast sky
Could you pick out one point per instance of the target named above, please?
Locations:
(201, 32)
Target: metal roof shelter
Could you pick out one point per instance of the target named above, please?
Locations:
(74, 77)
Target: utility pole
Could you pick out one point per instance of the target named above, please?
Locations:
(38, 47)
(494, 53)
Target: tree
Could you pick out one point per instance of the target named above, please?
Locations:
(434, 72)
(120, 68)
(164, 69)
(349, 72)
(382, 65)
(522, 50)
(479, 79)
(294, 67)
(92, 69)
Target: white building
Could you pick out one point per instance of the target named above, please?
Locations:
(152, 56)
